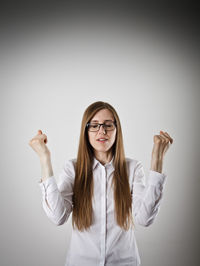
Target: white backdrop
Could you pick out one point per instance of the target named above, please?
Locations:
(51, 72)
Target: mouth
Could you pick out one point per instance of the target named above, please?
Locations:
(102, 140)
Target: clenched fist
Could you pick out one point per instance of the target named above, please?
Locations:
(38, 144)
(161, 145)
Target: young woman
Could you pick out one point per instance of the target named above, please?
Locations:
(105, 191)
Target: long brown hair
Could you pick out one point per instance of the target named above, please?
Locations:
(82, 215)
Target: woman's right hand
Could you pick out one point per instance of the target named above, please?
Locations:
(38, 144)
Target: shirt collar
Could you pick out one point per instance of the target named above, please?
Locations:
(110, 164)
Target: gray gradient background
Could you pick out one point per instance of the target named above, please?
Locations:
(53, 65)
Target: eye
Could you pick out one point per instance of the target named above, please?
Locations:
(94, 126)
(108, 125)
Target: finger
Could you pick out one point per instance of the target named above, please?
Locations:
(164, 138)
(39, 131)
(165, 143)
(161, 141)
(157, 138)
(167, 135)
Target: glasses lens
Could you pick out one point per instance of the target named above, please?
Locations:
(95, 127)
(109, 125)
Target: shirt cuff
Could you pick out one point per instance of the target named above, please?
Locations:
(156, 178)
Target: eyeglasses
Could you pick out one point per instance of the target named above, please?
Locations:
(94, 127)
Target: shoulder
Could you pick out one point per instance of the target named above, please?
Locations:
(132, 163)
(69, 167)
(134, 166)
(135, 170)
(70, 162)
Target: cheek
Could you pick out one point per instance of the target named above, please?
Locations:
(113, 137)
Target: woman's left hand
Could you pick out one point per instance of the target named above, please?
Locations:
(161, 145)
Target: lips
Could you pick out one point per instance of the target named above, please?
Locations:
(102, 141)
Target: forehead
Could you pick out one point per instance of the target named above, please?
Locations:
(103, 115)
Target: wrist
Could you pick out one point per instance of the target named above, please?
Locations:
(46, 167)
(156, 165)
(45, 158)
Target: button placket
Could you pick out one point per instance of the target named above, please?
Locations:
(103, 216)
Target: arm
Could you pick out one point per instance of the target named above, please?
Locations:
(46, 171)
(46, 167)
(146, 198)
(57, 198)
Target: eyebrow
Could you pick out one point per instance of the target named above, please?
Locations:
(98, 120)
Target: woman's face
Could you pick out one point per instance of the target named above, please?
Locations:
(109, 135)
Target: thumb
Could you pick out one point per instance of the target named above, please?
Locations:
(39, 131)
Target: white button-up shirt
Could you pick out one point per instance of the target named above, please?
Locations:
(105, 243)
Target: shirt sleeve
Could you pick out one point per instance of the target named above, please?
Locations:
(146, 198)
(57, 198)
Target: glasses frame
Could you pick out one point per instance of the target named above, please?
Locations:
(99, 125)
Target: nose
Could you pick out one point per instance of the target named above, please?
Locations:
(102, 129)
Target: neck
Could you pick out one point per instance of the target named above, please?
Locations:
(103, 157)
